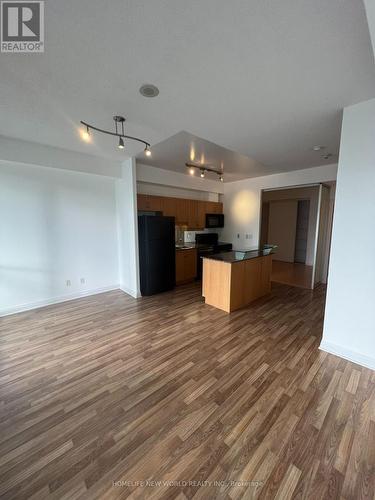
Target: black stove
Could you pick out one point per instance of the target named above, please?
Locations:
(208, 244)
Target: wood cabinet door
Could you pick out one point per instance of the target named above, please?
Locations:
(201, 214)
(180, 266)
(186, 265)
(192, 208)
(156, 203)
(143, 202)
(169, 206)
(190, 263)
(182, 211)
(214, 207)
(210, 207)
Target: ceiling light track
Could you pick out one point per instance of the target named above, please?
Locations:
(119, 123)
(203, 169)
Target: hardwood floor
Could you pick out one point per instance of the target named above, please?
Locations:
(289, 273)
(105, 391)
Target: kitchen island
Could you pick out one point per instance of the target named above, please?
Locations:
(232, 280)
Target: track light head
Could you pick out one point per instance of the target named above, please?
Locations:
(147, 151)
(203, 174)
(85, 134)
(191, 171)
(121, 144)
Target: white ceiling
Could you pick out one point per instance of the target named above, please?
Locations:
(266, 79)
(182, 148)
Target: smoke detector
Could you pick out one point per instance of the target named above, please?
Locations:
(149, 90)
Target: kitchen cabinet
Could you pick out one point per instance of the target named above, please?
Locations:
(190, 213)
(186, 265)
(156, 203)
(143, 202)
(182, 212)
(201, 214)
(213, 207)
(231, 285)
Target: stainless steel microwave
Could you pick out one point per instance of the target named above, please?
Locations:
(214, 220)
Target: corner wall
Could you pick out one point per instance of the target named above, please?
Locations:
(349, 326)
(242, 201)
(56, 226)
(127, 227)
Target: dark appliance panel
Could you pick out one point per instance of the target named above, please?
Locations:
(206, 239)
(157, 254)
(214, 220)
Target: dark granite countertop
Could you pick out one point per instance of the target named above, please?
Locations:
(185, 246)
(188, 246)
(238, 255)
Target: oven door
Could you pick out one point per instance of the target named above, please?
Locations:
(214, 220)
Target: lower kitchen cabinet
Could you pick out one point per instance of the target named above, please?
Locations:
(186, 265)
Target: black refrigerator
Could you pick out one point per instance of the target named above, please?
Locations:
(157, 254)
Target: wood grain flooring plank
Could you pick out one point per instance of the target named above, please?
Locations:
(108, 388)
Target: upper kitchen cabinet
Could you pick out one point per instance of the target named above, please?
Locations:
(143, 202)
(190, 213)
(213, 207)
(182, 212)
(156, 203)
(169, 206)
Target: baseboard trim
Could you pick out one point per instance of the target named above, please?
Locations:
(56, 300)
(132, 293)
(343, 352)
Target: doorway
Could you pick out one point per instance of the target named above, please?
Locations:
(299, 221)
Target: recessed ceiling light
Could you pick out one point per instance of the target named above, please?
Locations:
(318, 148)
(149, 90)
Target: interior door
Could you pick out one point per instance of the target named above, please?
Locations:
(282, 228)
(302, 229)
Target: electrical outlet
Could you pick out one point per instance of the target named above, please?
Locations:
(68, 283)
(83, 281)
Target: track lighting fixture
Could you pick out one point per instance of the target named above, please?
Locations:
(119, 122)
(204, 169)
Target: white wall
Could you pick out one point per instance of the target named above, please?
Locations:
(31, 153)
(153, 175)
(127, 223)
(242, 201)
(56, 225)
(349, 326)
(175, 192)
